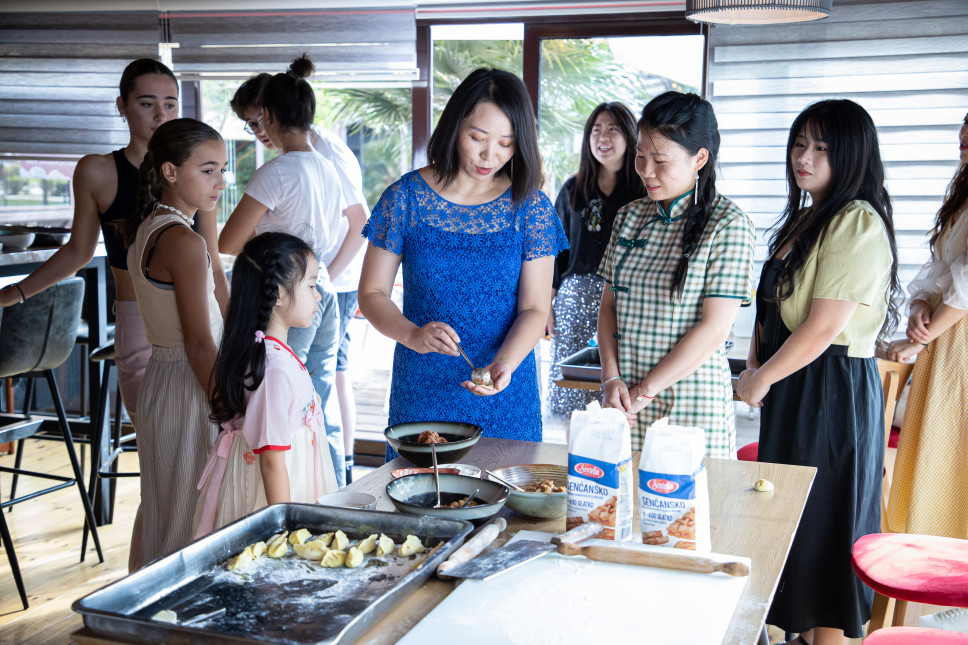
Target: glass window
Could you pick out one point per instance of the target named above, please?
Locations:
(460, 49)
(578, 74)
(36, 192)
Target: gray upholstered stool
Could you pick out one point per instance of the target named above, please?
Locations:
(36, 337)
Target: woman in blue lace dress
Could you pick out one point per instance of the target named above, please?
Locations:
(477, 241)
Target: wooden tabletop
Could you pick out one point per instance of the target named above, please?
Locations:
(743, 522)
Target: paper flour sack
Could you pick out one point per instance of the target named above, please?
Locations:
(673, 494)
(600, 486)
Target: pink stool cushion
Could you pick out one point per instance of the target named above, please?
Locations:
(916, 568)
(748, 452)
(915, 636)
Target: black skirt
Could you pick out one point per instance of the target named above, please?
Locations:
(829, 415)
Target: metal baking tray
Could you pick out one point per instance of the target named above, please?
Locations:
(287, 600)
(584, 365)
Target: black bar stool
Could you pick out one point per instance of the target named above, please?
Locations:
(118, 443)
(36, 337)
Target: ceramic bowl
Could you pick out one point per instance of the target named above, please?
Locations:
(17, 242)
(403, 472)
(349, 500)
(461, 437)
(542, 506)
(415, 494)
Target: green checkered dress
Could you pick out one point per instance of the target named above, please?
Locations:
(642, 255)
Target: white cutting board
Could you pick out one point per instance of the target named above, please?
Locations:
(557, 599)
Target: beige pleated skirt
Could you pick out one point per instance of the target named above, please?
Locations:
(175, 436)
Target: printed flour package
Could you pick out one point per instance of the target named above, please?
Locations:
(600, 484)
(673, 494)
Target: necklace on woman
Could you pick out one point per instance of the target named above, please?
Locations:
(188, 220)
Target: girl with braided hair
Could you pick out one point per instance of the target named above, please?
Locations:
(173, 277)
(677, 269)
(272, 447)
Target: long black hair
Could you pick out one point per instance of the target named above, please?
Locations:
(586, 181)
(289, 96)
(688, 120)
(857, 173)
(267, 263)
(505, 90)
(955, 198)
(174, 141)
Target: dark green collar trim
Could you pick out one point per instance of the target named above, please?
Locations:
(665, 216)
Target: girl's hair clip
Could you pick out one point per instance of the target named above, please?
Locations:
(259, 335)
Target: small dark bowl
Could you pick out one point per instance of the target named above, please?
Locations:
(403, 490)
(461, 437)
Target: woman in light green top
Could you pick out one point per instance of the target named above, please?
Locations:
(824, 295)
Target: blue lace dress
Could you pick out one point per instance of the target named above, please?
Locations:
(461, 266)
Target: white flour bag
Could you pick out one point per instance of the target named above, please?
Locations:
(600, 486)
(673, 493)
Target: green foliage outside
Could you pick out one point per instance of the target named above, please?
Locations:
(576, 75)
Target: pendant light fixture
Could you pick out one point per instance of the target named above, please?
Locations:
(757, 12)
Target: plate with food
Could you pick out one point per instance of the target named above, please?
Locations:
(545, 494)
(414, 440)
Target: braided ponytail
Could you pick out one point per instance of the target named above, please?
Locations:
(268, 262)
(689, 121)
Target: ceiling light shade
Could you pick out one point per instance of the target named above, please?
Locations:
(757, 12)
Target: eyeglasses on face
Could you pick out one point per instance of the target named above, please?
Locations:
(252, 126)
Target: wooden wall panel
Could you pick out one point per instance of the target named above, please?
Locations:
(906, 62)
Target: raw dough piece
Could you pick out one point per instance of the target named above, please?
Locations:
(334, 559)
(384, 546)
(312, 550)
(368, 544)
(166, 616)
(354, 557)
(763, 485)
(241, 560)
(277, 546)
(340, 541)
(300, 536)
(325, 538)
(258, 550)
(411, 546)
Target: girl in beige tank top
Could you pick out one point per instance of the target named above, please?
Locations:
(174, 281)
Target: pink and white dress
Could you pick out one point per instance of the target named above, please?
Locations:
(283, 413)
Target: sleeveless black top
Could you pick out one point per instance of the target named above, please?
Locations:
(123, 207)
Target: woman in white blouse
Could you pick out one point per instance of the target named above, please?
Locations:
(930, 490)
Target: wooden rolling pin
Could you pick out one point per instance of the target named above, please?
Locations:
(683, 562)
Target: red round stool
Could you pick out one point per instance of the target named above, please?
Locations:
(915, 636)
(911, 568)
(748, 452)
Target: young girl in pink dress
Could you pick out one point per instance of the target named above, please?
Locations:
(272, 447)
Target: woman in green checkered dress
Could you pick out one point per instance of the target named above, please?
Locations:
(679, 266)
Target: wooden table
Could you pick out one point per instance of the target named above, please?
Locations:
(743, 522)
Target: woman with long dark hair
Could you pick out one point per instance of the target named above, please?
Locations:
(477, 241)
(587, 204)
(825, 293)
(678, 267)
(928, 494)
